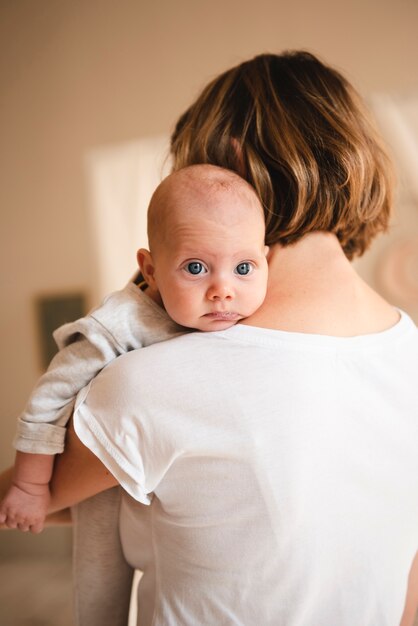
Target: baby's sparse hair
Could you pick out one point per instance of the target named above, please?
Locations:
(184, 187)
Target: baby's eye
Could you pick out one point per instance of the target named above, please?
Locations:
(195, 268)
(244, 268)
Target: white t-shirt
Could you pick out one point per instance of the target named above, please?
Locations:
(281, 469)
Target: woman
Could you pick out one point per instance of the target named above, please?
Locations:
(283, 491)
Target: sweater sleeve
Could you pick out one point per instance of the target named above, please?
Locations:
(86, 347)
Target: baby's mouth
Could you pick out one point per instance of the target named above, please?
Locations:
(223, 315)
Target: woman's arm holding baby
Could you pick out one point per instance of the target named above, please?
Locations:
(78, 474)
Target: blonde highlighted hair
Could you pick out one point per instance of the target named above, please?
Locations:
(299, 133)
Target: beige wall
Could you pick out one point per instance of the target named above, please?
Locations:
(77, 74)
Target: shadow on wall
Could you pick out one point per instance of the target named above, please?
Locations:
(396, 268)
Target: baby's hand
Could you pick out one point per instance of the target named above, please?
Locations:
(25, 506)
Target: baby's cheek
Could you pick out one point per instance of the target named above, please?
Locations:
(257, 297)
(183, 312)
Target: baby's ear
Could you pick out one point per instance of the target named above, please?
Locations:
(147, 268)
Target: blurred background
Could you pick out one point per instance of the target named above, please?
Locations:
(89, 93)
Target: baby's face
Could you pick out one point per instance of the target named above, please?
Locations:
(211, 271)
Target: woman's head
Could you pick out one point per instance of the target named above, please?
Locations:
(298, 132)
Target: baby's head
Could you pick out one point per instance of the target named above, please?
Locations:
(207, 258)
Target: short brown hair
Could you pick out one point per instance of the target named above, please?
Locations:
(298, 132)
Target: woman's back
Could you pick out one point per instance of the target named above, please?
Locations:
(284, 473)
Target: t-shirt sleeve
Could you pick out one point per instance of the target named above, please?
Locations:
(112, 420)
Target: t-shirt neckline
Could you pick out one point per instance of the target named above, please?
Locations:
(260, 335)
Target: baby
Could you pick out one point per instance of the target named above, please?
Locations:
(206, 270)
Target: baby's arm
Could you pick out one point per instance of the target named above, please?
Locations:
(126, 320)
(86, 346)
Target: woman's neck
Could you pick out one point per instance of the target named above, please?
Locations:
(313, 288)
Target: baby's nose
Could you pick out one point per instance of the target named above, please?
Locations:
(220, 291)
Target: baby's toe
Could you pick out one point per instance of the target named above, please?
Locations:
(24, 527)
(36, 528)
(11, 522)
